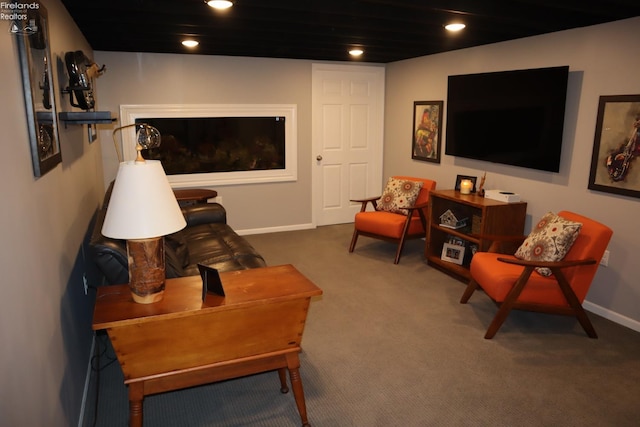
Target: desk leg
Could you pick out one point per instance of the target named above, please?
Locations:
(282, 373)
(293, 364)
(136, 396)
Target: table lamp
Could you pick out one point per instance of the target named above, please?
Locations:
(142, 210)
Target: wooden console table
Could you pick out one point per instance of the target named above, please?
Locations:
(183, 341)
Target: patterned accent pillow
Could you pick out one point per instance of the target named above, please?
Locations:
(550, 240)
(397, 194)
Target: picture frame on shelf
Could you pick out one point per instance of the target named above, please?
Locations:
(460, 178)
(427, 127)
(616, 144)
(453, 253)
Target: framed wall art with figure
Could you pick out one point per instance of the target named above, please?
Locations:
(427, 126)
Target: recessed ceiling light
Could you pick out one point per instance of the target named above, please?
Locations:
(190, 43)
(455, 26)
(220, 4)
(356, 51)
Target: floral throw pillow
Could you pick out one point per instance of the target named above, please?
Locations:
(398, 194)
(550, 240)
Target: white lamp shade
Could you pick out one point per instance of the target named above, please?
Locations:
(142, 203)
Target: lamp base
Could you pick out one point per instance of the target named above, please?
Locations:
(146, 269)
(148, 299)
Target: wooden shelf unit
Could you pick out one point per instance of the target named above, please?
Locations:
(485, 217)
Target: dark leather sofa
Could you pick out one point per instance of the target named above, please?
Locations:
(207, 239)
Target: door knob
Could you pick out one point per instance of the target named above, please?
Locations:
(318, 157)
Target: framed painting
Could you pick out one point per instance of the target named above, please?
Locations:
(427, 126)
(616, 146)
(32, 33)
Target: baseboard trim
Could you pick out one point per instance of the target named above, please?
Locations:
(278, 229)
(87, 382)
(612, 315)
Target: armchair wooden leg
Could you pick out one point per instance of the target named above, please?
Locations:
(399, 251)
(471, 288)
(582, 317)
(354, 239)
(405, 230)
(498, 320)
(573, 301)
(508, 303)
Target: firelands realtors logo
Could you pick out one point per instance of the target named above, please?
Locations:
(18, 14)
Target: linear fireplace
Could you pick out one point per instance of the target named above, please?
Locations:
(219, 144)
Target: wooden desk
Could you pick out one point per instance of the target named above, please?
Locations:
(183, 341)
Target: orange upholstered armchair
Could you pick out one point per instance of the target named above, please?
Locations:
(399, 214)
(516, 283)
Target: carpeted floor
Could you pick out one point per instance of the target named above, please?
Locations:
(389, 345)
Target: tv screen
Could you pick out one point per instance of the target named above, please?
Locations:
(509, 117)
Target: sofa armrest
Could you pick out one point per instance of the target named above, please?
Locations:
(204, 213)
(110, 255)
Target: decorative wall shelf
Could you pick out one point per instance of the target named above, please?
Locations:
(86, 117)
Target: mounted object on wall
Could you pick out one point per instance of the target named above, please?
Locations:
(82, 71)
(616, 146)
(32, 34)
(427, 128)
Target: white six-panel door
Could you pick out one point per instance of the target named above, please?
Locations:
(348, 112)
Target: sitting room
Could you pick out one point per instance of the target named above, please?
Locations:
(393, 335)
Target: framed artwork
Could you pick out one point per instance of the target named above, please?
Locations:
(616, 146)
(32, 34)
(459, 179)
(453, 253)
(427, 125)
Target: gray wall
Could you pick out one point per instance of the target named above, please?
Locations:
(600, 64)
(45, 317)
(147, 78)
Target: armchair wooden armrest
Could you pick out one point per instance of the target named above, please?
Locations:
(420, 207)
(370, 199)
(365, 201)
(548, 264)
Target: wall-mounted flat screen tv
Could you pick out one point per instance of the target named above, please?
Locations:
(509, 117)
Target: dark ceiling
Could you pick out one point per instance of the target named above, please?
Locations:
(387, 30)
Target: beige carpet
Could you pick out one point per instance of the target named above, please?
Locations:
(389, 345)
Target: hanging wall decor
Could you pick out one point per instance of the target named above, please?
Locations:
(427, 127)
(32, 34)
(614, 164)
